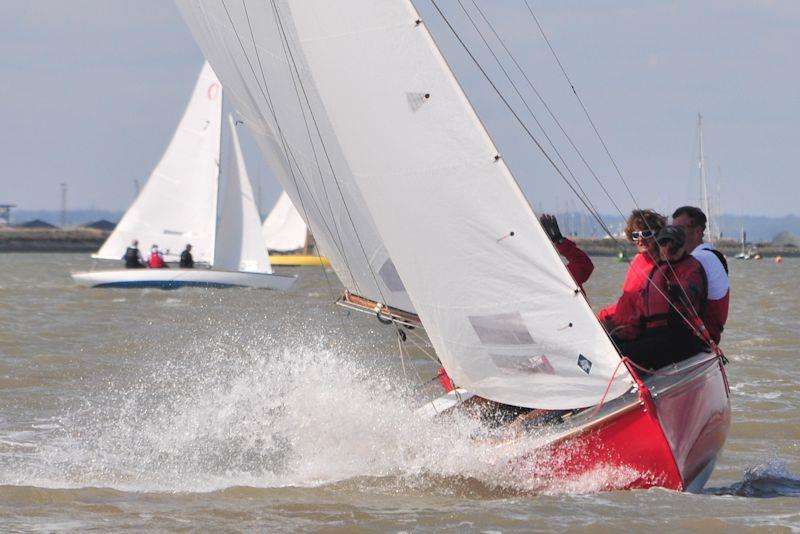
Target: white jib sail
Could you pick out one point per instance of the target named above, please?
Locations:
(178, 204)
(244, 41)
(239, 244)
(284, 229)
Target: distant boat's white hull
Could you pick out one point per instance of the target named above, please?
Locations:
(175, 278)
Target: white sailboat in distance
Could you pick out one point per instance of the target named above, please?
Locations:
(182, 204)
(287, 237)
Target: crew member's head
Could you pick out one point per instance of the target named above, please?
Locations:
(135, 243)
(693, 221)
(642, 228)
(154, 248)
(671, 243)
(188, 246)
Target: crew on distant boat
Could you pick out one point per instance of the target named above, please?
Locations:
(578, 263)
(133, 258)
(187, 261)
(658, 330)
(156, 260)
(693, 222)
(641, 228)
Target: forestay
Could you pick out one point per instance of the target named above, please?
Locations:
(239, 244)
(178, 203)
(501, 310)
(284, 229)
(275, 95)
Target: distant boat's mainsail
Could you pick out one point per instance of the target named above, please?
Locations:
(178, 204)
(370, 114)
(239, 243)
(284, 229)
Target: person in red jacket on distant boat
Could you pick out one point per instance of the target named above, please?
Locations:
(578, 263)
(693, 222)
(659, 328)
(156, 260)
(641, 229)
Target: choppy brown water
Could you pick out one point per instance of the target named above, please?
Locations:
(238, 409)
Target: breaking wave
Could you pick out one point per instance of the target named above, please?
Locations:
(771, 479)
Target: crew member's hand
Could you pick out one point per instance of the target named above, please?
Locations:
(550, 225)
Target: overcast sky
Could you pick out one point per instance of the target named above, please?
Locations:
(92, 90)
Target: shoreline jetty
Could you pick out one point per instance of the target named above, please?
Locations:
(82, 239)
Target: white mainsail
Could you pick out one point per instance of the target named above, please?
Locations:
(283, 229)
(501, 310)
(239, 244)
(178, 204)
(262, 79)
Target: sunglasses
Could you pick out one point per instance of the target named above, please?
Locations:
(644, 234)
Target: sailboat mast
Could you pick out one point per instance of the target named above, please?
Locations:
(704, 182)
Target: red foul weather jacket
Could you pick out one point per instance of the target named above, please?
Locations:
(578, 263)
(675, 290)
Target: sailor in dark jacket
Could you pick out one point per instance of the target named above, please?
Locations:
(132, 256)
(187, 262)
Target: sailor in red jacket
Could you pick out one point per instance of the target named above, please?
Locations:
(658, 329)
(156, 260)
(693, 222)
(578, 263)
(641, 229)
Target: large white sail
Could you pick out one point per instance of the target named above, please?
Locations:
(239, 245)
(178, 203)
(262, 79)
(284, 229)
(501, 310)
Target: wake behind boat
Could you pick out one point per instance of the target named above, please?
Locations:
(186, 201)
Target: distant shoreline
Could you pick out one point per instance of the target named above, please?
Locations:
(90, 240)
(51, 239)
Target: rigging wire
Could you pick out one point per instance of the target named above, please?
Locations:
(313, 148)
(613, 161)
(593, 210)
(548, 108)
(288, 48)
(324, 147)
(513, 112)
(549, 158)
(287, 152)
(580, 101)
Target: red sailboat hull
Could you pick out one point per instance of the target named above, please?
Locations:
(669, 437)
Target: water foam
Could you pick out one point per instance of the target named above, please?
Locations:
(272, 413)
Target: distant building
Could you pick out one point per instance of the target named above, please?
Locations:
(36, 223)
